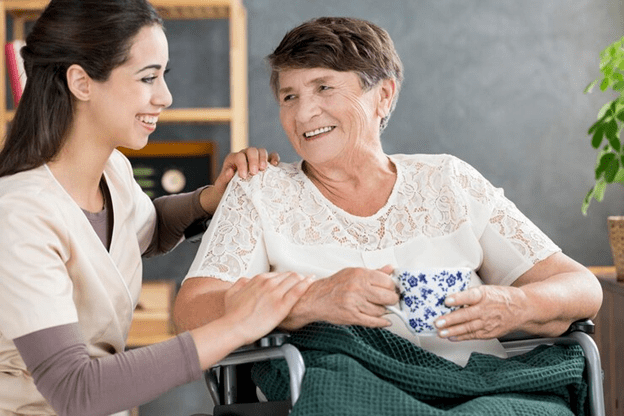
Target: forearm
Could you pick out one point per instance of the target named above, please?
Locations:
(553, 304)
(108, 384)
(175, 213)
(199, 301)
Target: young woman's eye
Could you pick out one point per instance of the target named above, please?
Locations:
(149, 80)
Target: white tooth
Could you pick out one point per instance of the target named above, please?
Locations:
(318, 131)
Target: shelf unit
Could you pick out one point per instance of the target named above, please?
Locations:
(236, 115)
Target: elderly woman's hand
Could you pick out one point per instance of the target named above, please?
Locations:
(545, 300)
(246, 162)
(487, 312)
(353, 296)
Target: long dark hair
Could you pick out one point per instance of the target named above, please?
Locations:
(95, 34)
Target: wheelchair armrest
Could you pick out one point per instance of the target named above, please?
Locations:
(271, 346)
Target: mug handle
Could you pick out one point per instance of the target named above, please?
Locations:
(398, 312)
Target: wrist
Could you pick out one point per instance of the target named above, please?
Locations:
(214, 341)
(207, 200)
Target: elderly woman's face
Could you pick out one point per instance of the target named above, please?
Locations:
(326, 114)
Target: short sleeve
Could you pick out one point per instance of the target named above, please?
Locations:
(233, 245)
(511, 242)
(35, 288)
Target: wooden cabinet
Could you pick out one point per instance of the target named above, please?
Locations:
(21, 11)
(609, 337)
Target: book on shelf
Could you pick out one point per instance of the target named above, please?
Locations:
(15, 68)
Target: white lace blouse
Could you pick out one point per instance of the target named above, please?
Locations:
(441, 212)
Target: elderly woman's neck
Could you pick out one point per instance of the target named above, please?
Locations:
(360, 186)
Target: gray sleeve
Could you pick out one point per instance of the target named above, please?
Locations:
(76, 384)
(175, 213)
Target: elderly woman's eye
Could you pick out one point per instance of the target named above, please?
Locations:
(288, 97)
(324, 88)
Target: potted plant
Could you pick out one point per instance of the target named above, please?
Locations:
(605, 137)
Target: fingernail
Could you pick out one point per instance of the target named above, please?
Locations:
(444, 333)
(452, 338)
(440, 323)
(450, 301)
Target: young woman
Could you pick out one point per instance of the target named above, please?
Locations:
(75, 223)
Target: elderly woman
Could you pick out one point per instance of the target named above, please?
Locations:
(347, 213)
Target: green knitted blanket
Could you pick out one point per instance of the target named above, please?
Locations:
(362, 371)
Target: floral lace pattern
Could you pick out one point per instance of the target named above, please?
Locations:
(434, 195)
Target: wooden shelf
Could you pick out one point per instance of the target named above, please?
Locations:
(152, 322)
(236, 115)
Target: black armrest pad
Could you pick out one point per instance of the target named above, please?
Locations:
(584, 325)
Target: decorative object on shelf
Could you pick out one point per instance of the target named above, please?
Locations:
(616, 239)
(610, 162)
(163, 168)
(15, 68)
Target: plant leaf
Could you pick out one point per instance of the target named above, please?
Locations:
(612, 170)
(619, 86)
(604, 109)
(591, 86)
(594, 126)
(604, 84)
(604, 163)
(611, 132)
(597, 139)
(587, 201)
(599, 190)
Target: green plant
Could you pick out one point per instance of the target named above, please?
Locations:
(610, 161)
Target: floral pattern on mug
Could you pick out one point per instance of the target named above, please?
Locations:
(423, 293)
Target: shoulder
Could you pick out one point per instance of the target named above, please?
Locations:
(274, 177)
(29, 188)
(32, 203)
(450, 165)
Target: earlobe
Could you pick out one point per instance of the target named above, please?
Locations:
(79, 82)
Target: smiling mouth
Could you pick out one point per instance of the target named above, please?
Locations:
(314, 133)
(149, 120)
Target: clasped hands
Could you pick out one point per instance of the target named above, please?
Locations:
(359, 296)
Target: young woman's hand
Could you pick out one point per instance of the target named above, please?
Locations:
(256, 306)
(246, 162)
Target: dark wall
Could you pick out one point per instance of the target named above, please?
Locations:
(498, 83)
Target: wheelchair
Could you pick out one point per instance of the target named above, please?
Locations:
(224, 390)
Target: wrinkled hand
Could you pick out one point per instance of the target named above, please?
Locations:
(488, 312)
(353, 296)
(258, 305)
(246, 162)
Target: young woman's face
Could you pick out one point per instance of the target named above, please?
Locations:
(127, 105)
(326, 114)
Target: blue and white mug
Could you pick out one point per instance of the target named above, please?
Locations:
(422, 294)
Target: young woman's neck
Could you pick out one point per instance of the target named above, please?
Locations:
(79, 167)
